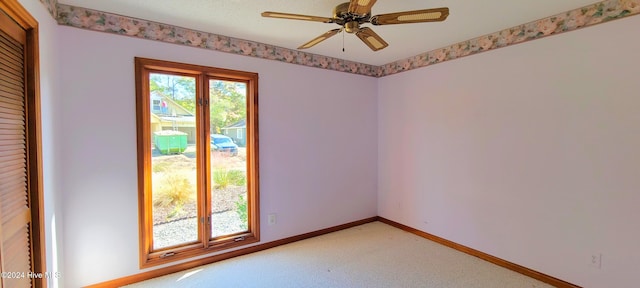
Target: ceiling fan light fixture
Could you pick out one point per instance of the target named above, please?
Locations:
(352, 27)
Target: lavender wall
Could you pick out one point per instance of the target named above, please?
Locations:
(529, 153)
(318, 151)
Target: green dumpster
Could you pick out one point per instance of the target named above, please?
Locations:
(170, 142)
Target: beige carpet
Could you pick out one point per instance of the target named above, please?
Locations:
(370, 255)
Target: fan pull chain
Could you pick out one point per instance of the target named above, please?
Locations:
(342, 40)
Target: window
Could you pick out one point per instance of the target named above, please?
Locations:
(156, 105)
(239, 133)
(198, 191)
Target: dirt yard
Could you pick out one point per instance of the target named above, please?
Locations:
(222, 199)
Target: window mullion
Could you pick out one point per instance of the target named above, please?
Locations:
(204, 160)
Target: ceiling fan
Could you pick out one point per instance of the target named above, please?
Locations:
(351, 15)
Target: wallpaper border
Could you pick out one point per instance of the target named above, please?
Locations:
(51, 6)
(600, 12)
(597, 13)
(117, 24)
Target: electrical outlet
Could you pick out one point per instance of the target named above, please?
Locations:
(272, 219)
(596, 260)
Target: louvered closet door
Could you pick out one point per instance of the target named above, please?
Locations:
(15, 216)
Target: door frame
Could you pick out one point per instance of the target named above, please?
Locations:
(23, 18)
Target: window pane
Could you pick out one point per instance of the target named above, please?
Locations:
(173, 159)
(228, 157)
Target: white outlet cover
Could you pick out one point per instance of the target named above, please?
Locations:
(272, 219)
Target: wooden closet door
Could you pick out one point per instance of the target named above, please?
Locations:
(15, 213)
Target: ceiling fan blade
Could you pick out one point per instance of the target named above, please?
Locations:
(320, 38)
(373, 40)
(416, 16)
(361, 7)
(296, 17)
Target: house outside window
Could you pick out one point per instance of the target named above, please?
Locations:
(237, 131)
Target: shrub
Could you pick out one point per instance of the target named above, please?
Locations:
(220, 178)
(223, 178)
(237, 178)
(241, 209)
(173, 189)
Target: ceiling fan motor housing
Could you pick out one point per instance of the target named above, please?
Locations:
(341, 10)
(350, 21)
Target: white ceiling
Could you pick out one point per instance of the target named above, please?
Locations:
(241, 19)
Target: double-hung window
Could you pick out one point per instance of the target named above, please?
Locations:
(198, 189)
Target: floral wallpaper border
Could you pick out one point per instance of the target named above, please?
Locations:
(51, 7)
(587, 16)
(111, 23)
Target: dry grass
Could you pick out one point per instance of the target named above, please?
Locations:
(173, 189)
